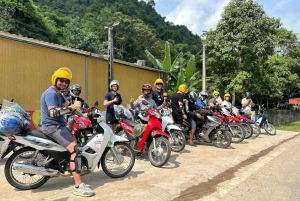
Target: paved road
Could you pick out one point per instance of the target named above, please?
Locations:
(274, 176)
(189, 175)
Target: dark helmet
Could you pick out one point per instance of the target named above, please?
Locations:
(146, 87)
(66, 89)
(77, 87)
(192, 96)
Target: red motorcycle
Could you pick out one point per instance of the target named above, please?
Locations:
(144, 138)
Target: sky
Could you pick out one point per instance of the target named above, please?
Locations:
(199, 15)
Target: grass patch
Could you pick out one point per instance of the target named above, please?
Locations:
(294, 126)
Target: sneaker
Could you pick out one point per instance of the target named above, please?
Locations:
(83, 190)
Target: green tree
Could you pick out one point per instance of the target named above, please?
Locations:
(242, 42)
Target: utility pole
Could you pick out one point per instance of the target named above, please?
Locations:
(204, 70)
(110, 52)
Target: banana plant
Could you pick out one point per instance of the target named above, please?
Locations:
(176, 73)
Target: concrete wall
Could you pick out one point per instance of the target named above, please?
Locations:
(283, 116)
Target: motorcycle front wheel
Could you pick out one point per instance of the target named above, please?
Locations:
(256, 130)
(179, 141)
(248, 129)
(237, 132)
(161, 155)
(121, 167)
(21, 180)
(269, 128)
(221, 139)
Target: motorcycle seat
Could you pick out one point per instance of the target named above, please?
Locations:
(40, 134)
(130, 123)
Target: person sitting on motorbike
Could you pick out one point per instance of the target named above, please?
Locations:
(110, 99)
(66, 93)
(190, 111)
(247, 105)
(226, 102)
(177, 105)
(146, 91)
(54, 125)
(165, 96)
(202, 96)
(215, 99)
(75, 91)
(156, 94)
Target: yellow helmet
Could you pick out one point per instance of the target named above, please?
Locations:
(215, 93)
(182, 88)
(227, 94)
(158, 81)
(63, 72)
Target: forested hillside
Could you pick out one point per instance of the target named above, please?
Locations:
(80, 24)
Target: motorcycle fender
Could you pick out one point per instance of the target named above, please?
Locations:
(172, 127)
(115, 138)
(154, 133)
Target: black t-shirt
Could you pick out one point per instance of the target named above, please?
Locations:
(72, 99)
(157, 97)
(189, 108)
(174, 101)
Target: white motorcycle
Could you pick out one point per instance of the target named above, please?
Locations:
(42, 158)
(176, 137)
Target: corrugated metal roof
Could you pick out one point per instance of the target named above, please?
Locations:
(36, 42)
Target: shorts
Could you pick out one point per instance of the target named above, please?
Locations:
(192, 122)
(111, 119)
(177, 116)
(59, 133)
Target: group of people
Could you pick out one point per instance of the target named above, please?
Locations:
(60, 99)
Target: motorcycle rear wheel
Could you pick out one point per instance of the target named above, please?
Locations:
(238, 132)
(221, 140)
(180, 141)
(162, 154)
(269, 128)
(110, 165)
(20, 180)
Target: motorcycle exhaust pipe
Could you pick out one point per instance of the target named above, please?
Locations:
(30, 169)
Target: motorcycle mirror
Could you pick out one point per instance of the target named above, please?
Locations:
(145, 102)
(96, 104)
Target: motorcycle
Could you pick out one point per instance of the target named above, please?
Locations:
(42, 157)
(267, 126)
(212, 131)
(145, 138)
(236, 130)
(176, 137)
(255, 127)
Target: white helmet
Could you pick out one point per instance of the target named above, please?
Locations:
(203, 94)
(114, 82)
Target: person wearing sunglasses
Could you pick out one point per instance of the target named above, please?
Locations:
(53, 107)
(156, 94)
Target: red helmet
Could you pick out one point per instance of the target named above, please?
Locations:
(148, 88)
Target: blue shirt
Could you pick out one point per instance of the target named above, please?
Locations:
(200, 103)
(51, 98)
(109, 97)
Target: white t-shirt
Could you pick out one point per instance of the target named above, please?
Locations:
(228, 104)
(248, 107)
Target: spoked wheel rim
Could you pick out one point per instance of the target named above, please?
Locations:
(236, 132)
(270, 129)
(126, 159)
(220, 139)
(162, 153)
(26, 179)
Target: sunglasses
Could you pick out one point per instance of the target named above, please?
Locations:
(216, 94)
(63, 80)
